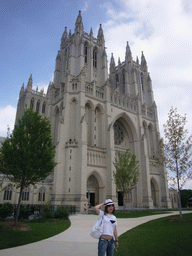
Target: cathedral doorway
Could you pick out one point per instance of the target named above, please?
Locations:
(120, 199)
(92, 199)
(92, 190)
(154, 193)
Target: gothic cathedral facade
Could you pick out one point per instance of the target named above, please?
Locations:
(94, 115)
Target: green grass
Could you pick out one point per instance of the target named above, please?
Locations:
(137, 214)
(12, 238)
(158, 238)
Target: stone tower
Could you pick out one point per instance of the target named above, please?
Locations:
(94, 115)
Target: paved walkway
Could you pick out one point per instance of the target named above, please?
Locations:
(75, 240)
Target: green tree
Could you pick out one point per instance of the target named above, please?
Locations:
(177, 150)
(27, 156)
(186, 194)
(127, 172)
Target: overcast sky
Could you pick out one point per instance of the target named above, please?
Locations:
(30, 38)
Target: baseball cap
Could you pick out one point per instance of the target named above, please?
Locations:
(108, 202)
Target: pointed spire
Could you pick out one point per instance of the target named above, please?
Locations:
(30, 82)
(91, 32)
(58, 55)
(119, 62)
(22, 89)
(100, 36)
(112, 64)
(65, 35)
(64, 38)
(143, 62)
(104, 52)
(128, 54)
(100, 32)
(70, 33)
(137, 61)
(148, 78)
(79, 23)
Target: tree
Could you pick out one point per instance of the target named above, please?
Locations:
(27, 156)
(186, 194)
(177, 150)
(127, 172)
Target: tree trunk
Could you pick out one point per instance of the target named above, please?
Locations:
(179, 194)
(123, 194)
(18, 206)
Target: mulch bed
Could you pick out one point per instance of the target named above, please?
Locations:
(20, 226)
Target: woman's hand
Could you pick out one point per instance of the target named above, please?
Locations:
(117, 244)
(98, 206)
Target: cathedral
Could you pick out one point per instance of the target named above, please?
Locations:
(95, 113)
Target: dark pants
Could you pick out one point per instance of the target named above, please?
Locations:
(105, 246)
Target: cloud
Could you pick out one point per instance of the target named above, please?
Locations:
(86, 6)
(41, 86)
(161, 30)
(7, 118)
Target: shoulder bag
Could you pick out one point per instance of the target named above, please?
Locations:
(97, 229)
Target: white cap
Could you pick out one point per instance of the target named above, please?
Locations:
(108, 202)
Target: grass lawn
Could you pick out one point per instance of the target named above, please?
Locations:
(12, 238)
(158, 238)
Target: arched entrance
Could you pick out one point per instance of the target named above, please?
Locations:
(92, 190)
(154, 193)
(95, 188)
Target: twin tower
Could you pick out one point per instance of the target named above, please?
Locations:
(94, 115)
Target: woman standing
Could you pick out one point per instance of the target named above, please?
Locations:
(106, 241)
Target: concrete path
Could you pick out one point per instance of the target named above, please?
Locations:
(76, 240)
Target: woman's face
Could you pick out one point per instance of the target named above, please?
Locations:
(110, 208)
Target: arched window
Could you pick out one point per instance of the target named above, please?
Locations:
(89, 122)
(98, 125)
(95, 58)
(32, 103)
(8, 193)
(25, 195)
(118, 133)
(85, 51)
(38, 105)
(123, 82)
(41, 195)
(117, 80)
(43, 107)
(142, 81)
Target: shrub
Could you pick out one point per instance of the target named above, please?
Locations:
(6, 210)
(46, 212)
(61, 212)
(25, 212)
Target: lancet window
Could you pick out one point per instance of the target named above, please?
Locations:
(95, 58)
(142, 81)
(38, 105)
(32, 103)
(25, 195)
(41, 195)
(85, 51)
(8, 193)
(123, 89)
(117, 80)
(43, 107)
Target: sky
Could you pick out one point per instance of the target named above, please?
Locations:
(31, 31)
